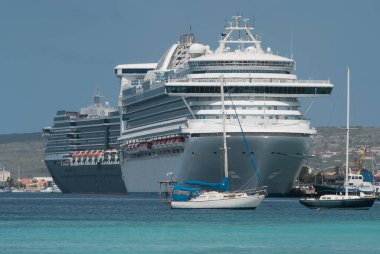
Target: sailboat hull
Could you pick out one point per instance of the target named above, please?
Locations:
(359, 203)
(222, 201)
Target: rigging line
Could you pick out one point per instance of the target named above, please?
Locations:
(246, 190)
(254, 183)
(245, 141)
(334, 107)
(243, 187)
(308, 107)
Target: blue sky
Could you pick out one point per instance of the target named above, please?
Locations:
(55, 54)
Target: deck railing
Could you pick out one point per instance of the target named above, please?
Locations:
(249, 80)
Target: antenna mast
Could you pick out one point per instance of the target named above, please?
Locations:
(225, 155)
(291, 46)
(348, 129)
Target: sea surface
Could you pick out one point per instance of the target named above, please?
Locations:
(141, 223)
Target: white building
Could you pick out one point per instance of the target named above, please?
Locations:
(43, 178)
(4, 176)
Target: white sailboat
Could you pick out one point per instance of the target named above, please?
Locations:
(218, 199)
(340, 201)
(3, 188)
(18, 189)
(52, 189)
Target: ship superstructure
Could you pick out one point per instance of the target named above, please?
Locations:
(171, 122)
(82, 153)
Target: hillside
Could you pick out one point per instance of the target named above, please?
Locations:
(330, 142)
(25, 151)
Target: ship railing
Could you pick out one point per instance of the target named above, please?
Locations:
(140, 89)
(94, 161)
(250, 80)
(156, 85)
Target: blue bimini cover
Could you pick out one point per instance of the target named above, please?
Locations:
(182, 193)
(367, 176)
(183, 188)
(221, 186)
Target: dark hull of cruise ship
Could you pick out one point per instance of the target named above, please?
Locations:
(91, 179)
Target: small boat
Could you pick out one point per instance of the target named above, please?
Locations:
(339, 200)
(18, 190)
(5, 190)
(356, 184)
(51, 189)
(194, 198)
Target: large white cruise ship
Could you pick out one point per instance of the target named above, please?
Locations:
(171, 116)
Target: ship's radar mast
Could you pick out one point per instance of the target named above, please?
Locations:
(239, 33)
(97, 98)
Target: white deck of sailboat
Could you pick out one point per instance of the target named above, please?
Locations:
(333, 197)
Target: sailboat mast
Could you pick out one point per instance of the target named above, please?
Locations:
(225, 156)
(348, 129)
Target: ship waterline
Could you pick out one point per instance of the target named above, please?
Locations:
(87, 179)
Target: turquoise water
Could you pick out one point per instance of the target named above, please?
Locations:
(56, 223)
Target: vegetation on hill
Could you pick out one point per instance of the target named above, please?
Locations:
(330, 143)
(24, 152)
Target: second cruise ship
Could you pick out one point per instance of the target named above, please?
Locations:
(82, 153)
(171, 118)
